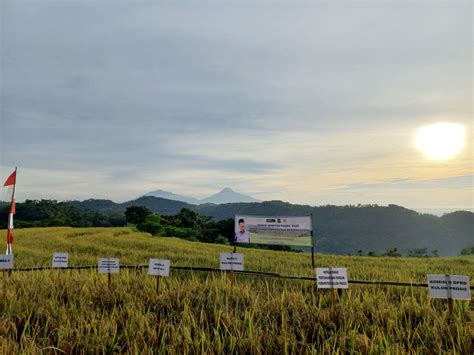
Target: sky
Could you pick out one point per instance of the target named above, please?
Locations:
(307, 102)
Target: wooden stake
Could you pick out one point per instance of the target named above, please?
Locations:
(450, 307)
(109, 279)
(333, 299)
(231, 271)
(157, 283)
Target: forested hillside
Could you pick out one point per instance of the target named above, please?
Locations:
(337, 229)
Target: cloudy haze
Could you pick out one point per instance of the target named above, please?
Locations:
(305, 102)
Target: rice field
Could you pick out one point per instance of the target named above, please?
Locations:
(65, 311)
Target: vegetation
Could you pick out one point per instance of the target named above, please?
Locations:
(337, 229)
(50, 213)
(195, 312)
(186, 224)
(137, 214)
(468, 251)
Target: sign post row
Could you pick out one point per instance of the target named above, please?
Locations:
(158, 268)
(332, 278)
(6, 263)
(60, 260)
(230, 262)
(450, 287)
(109, 266)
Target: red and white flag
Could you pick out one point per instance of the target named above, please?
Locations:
(10, 185)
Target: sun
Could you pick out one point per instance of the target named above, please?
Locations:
(440, 141)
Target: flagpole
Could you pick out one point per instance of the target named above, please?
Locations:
(10, 216)
(14, 187)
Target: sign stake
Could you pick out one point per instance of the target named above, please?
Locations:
(157, 283)
(231, 272)
(450, 307)
(333, 301)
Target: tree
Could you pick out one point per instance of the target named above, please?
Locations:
(187, 218)
(152, 224)
(393, 252)
(222, 240)
(137, 214)
(467, 251)
(418, 253)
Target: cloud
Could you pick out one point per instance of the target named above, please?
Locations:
(288, 100)
(454, 182)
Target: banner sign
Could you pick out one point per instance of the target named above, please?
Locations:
(232, 261)
(6, 261)
(328, 277)
(109, 266)
(159, 267)
(291, 231)
(449, 286)
(60, 260)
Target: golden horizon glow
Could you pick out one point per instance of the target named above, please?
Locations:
(440, 141)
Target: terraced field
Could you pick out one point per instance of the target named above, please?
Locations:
(58, 311)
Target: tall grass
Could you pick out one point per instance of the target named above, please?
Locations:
(71, 311)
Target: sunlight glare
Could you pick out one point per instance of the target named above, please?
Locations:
(440, 141)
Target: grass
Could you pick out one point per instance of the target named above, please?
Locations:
(75, 311)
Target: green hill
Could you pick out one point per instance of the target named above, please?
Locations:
(342, 229)
(337, 229)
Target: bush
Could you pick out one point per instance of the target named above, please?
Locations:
(151, 225)
(179, 232)
(222, 240)
(468, 251)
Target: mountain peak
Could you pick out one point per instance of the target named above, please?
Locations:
(173, 196)
(226, 195)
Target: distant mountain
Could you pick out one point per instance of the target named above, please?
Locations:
(227, 195)
(337, 229)
(166, 207)
(441, 211)
(173, 196)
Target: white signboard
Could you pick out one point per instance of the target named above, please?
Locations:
(6, 261)
(328, 277)
(232, 261)
(109, 266)
(159, 267)
(291, 231)
(449, 286)
(60, 260)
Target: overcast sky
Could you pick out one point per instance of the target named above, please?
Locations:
(311, 103)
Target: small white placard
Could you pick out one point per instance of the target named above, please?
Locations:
(232, 261)
(332, 277)
(449, 286)
(60, 260)
(159, 267)
(6, 262)
(109, 266)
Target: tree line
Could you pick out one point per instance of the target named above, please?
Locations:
(51, 213)
(190, 225)
(360, 230)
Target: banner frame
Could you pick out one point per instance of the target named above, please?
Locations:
(234, 243)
